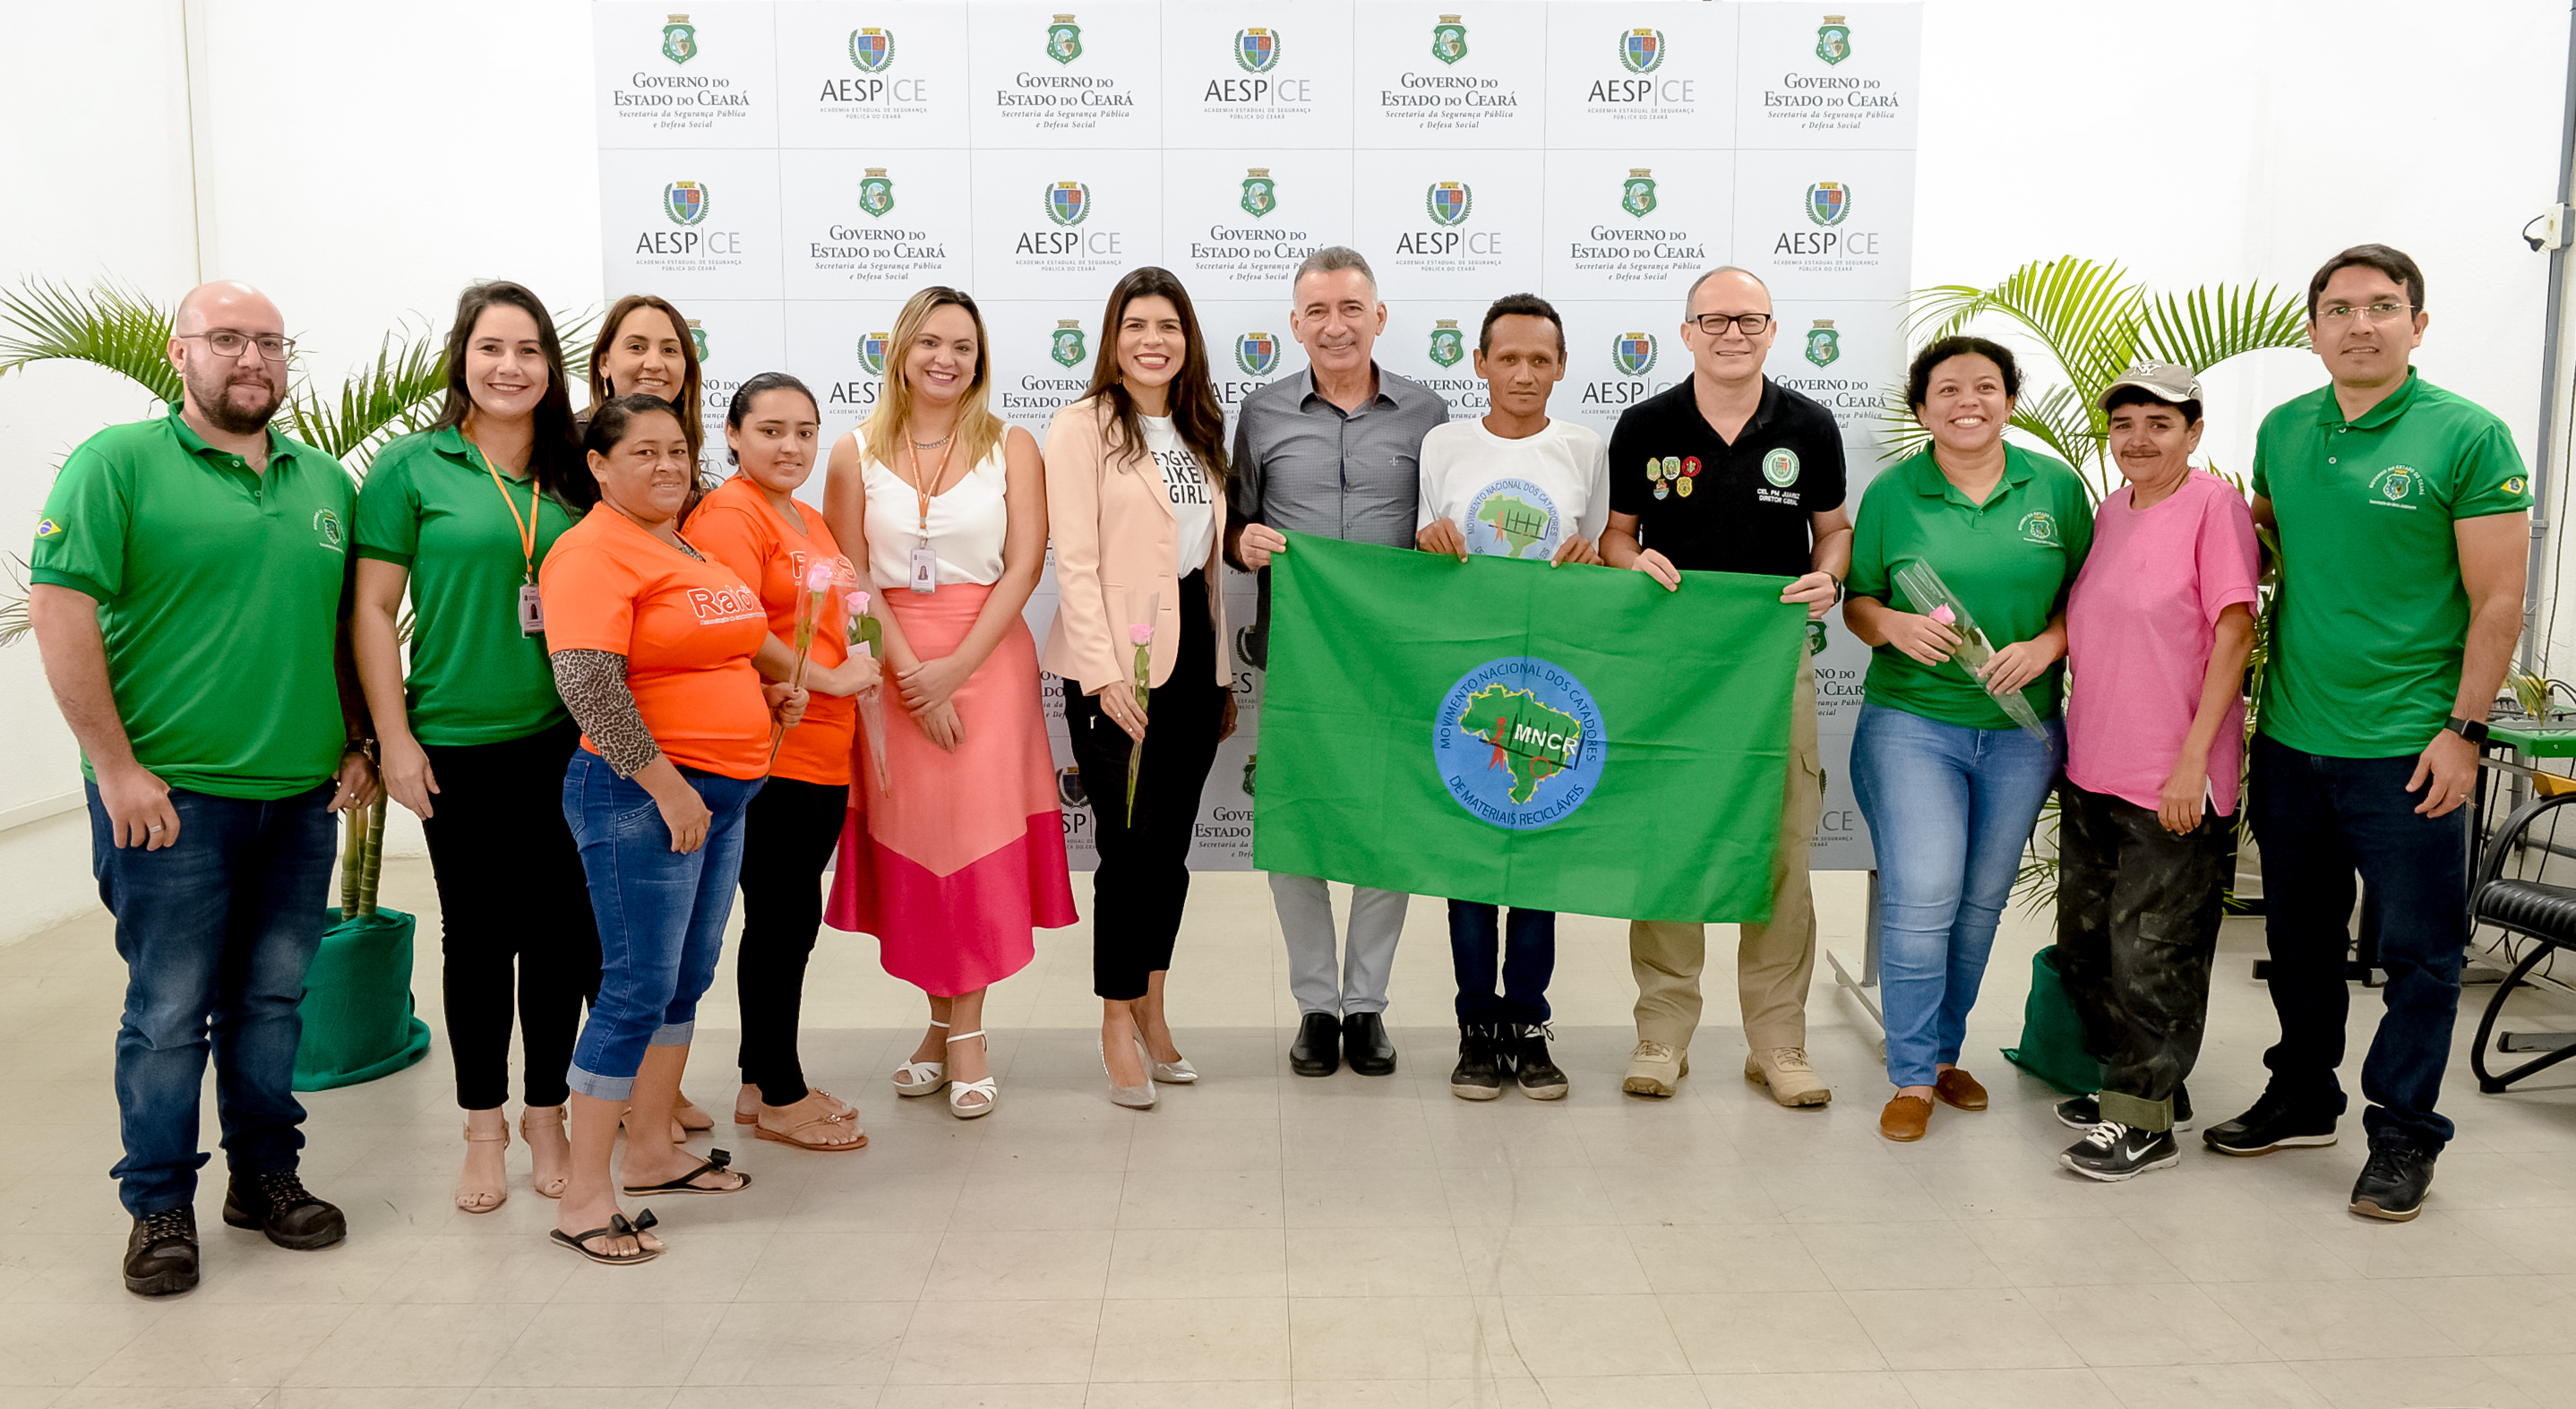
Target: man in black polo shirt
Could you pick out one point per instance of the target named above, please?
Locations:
(1732, 472)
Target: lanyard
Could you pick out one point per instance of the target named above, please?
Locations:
(528, 526)
(925, 490)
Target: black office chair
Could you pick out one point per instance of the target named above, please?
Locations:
(2544, 913)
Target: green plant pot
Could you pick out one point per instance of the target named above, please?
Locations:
(357, 1011)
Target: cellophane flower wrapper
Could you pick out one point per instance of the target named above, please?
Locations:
(1924, 587)
(867, 637)
(814, 596)
(1141, 636)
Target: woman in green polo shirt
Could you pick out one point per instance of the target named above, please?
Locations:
(1949, 782)
(475, 739)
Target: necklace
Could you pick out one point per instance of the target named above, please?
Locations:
(931, 444)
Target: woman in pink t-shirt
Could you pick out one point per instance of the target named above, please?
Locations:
(2157, 633)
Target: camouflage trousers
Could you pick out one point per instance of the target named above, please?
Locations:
(2137, 925)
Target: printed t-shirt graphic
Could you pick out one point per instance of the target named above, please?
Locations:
(687, 629)
(1515, 498)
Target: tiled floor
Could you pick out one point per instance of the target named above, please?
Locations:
(1265, 1240)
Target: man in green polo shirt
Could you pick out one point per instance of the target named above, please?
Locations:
(189, 586)
(2403, 515)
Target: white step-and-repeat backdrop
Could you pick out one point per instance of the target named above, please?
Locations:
(789, 173)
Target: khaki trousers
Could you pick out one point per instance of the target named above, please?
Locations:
(1774, 962)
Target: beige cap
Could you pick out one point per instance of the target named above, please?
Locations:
(2166, 381)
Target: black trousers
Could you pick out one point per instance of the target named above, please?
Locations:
(2137, 927)
(514, 911)
(1144, 874)
(787, 836)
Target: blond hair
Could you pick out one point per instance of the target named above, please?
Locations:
(977, 431)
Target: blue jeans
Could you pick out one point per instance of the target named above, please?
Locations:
(1950, 808)
(2320, 820)
(216, 931)
(661, 914)
(1527, 958)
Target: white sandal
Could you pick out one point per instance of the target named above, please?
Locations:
(921, 1078)
(958, 1090)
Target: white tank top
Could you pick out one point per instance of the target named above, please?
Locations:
(968, 522)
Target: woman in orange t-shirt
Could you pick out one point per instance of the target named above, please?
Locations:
(753, 525)
(651, 646)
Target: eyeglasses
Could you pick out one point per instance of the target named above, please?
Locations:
(1715, 324)
(229, 342)
(2368, 313)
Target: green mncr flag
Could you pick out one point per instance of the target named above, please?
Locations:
(1572, 739)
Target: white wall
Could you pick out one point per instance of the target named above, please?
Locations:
(362, 162)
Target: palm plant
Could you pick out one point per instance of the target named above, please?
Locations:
(2093, 320)
(126, 332)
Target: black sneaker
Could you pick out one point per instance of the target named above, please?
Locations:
(279, 1206)
(161, 1253)
(1478, 1076)
(1540, 1078)
(2273, 1124)
(2112, 1152)
(2085, 1112)
(2393, 1183)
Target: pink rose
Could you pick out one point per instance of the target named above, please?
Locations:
(1140, 635)
(1944, 615)
(857, 602)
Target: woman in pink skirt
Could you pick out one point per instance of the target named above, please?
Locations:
(954, 851)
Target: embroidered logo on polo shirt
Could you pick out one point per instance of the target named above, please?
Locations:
(2513, 485)
(326, 527)
(47, 528)
(1781, 467)
(2039, 526)
(2395, 485)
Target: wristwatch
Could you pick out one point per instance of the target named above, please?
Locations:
(2473, 730)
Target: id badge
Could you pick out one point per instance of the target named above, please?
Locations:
(532, 611)
(925, 569)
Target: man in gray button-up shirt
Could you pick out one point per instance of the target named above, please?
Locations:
(1334, 451)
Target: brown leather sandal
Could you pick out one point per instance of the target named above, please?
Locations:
(818, 1122)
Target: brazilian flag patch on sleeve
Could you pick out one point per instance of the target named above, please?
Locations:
(47, 528)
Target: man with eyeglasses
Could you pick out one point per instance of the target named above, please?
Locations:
(1729, 471)
(189, 597)
(2403, 519)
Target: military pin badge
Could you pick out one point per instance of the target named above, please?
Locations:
(1662, 489)
(1690, 466)
(1682, 487)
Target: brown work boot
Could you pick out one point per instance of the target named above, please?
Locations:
(1785, 1070)
(1905, 1118)
(1956, 1088)
(1655, 1069)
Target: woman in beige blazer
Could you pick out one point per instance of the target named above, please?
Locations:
(1136, 503)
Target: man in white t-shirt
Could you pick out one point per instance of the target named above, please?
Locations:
(1513, 484)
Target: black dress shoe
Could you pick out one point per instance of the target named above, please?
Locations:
(2393, 1184)
(161, 1253)
(278, 1205)
(1318, 1048)
(1365, 1044)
